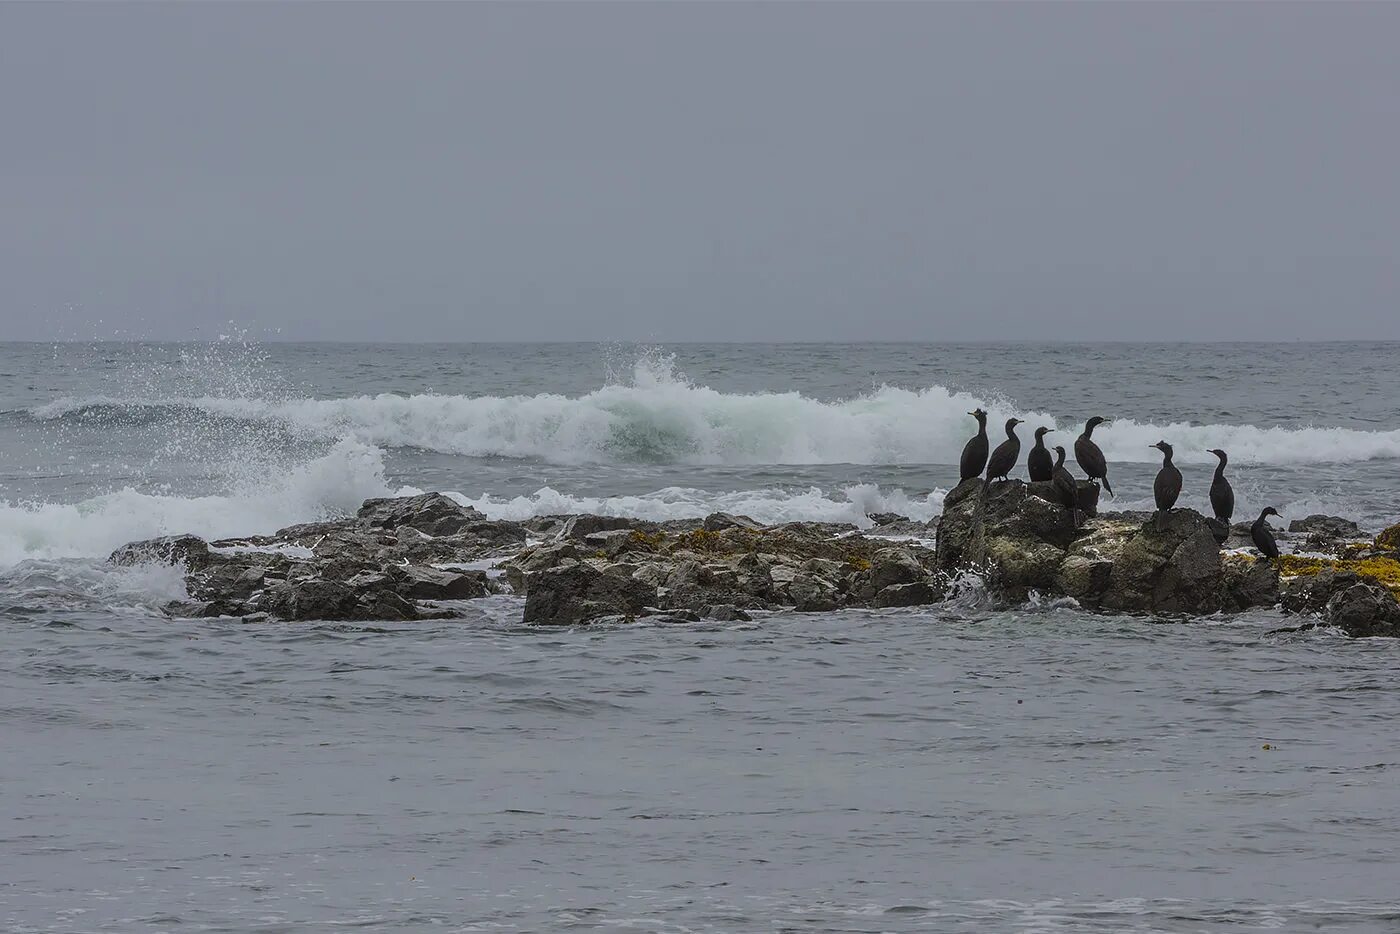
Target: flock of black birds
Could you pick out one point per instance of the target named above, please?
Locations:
(1165, 490)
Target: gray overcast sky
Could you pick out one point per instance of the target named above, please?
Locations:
(700, 171)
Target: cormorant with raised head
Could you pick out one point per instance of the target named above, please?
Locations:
(1263, 535)
(1038, 462)
(1065, 486)
(1090, 458)
(974, 455)
(1222, 495)
(1167, 487)
(1004, 458)
(1222, 499)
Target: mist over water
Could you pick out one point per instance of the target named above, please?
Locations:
(858, 771)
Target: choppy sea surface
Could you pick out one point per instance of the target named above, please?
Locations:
(952, 768)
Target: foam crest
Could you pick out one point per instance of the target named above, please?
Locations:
(770, 506)
(333, 484)
(660, 418)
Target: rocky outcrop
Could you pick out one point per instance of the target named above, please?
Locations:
(407, 559)
(1023, 541)
(394, 560)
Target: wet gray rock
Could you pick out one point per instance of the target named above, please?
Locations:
(1172, 569)
(579, 528)
(579, 592)
(312, 600)
(1357, 606)
(1331, 526)
(189, 550)
(430, 513)
(539, 558)
(891, 566)
(718, 521)
(975, 514)
(917, 593)
(420, 583)
(1247, 583)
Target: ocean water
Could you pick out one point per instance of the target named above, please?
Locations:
(953, 768)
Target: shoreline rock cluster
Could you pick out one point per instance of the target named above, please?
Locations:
(416, 557)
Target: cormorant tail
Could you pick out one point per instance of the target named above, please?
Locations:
(1106, 486)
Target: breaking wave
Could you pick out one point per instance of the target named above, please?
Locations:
(333, 484)
(661, 418)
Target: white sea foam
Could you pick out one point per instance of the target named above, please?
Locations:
(660, 417)
(333, 484)
(851, 504)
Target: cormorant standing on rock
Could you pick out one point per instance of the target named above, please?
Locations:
(1222, 495)
(1004, 458)
(1038, 463)
(974, 454)
(1167, 487)
(1263, 535)
(1065, 486)
(1222, 499)
(1090, 458)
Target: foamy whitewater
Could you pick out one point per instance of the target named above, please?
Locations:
(955, 768)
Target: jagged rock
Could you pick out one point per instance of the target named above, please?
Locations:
(189, 550)
(718, 521)
(430, 513)
(611, 543)
(579, 528)
(578, 593)
(886, 518)
(1363, 610)
(1248, 582)
(495, 532)
(725, 612)
(974, 514)
(891, 566)
(547, 526)
(1331, 526)
(1088, 492)
(539, 558)
(420, 583)
(917, 593)
(904, 528)
(1168, 567)
(1346, 600)
(1325, 534)
(311, 600)
(812, 594)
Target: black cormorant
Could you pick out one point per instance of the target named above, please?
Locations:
(1222, 495)
(1090, 458)
(1004, 458)
(1167, 487)
(974, 455)
(1038, 461)
(1263, 535)
(1065, 486)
